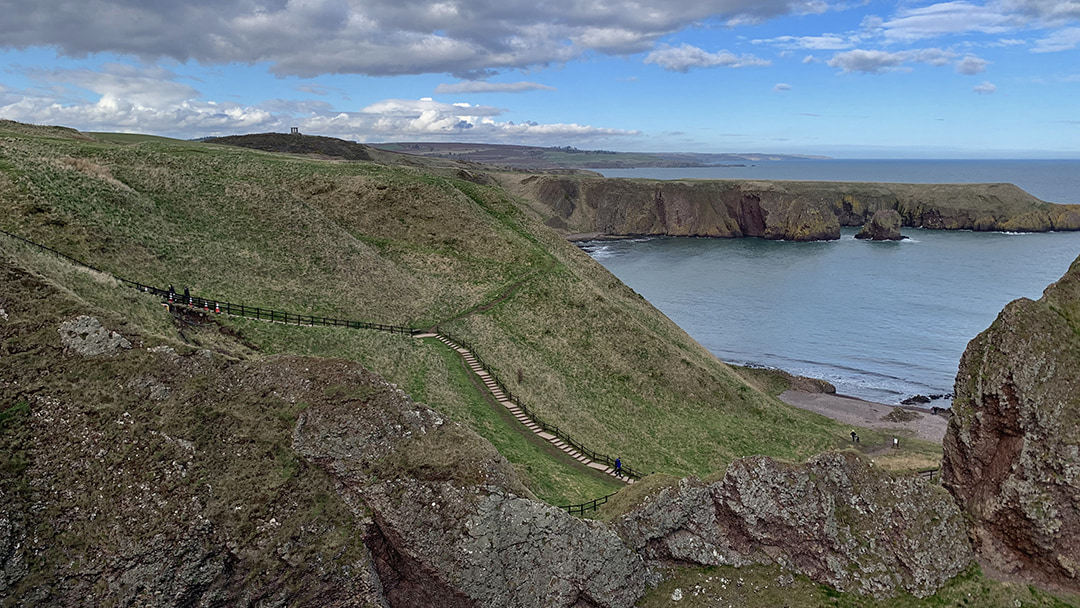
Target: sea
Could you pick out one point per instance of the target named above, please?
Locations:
(881, 321)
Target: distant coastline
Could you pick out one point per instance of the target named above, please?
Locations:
(1055, 181)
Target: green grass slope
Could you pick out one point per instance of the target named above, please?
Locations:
(399, 244)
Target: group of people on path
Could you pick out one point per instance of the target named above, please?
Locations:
(187, 295)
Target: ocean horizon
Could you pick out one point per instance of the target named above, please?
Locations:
(1053, 181)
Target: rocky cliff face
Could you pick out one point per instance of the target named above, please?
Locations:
(884, 226)
(449, 524)
(795, 211)
(1012, 450)
(837, 519)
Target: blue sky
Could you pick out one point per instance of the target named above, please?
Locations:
(850, 79)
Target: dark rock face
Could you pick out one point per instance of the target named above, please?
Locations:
(1012, 450)
(837, 519)
(884, 226)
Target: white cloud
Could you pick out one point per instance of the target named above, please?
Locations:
(685, 57)
(490, 87)
(985, 88)
(781, 87)
(1048, 12)
(971, 65)
(827, 42)
(869, 62)
(946, 18)
(879, 62)
(810, 59)
(141, 86)
(470, 38)
(146, 100)
(1061, 40)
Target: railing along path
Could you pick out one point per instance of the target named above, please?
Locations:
(525, 415)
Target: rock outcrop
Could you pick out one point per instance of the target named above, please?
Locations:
(86, 336)
(837, 519)
(449, 522)
(883, 226)
(1012, 450)
(789, 210)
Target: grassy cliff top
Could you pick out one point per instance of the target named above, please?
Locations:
(400, 244)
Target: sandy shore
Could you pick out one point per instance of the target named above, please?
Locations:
(857, 412)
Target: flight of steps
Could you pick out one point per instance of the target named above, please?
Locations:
(501, 397)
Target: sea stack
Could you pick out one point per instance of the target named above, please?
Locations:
(883, 226)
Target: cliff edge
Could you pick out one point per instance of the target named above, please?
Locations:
(788, 210)
(1012, 450)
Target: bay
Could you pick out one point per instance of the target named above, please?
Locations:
(1055, 181)
(881, 321)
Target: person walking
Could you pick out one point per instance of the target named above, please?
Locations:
(618, 467)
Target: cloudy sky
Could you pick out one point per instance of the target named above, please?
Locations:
(846, 78)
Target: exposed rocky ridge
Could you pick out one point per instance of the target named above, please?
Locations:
(449, 522)
(789, 210)
(837, 519)
(1012, 450)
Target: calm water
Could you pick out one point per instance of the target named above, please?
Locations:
(882, 321)
(1056, 181)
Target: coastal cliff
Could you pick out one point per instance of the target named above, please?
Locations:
(788, 210)
(1013, 443)
(137, 472)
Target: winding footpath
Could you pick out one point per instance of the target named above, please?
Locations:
(173, 301)
(497, 393)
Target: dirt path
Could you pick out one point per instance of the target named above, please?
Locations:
(869, 414)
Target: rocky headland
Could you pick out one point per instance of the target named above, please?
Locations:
(788, 210)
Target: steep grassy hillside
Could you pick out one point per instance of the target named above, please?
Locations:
(397, 244)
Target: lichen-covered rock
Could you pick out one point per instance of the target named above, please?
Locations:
(448, 522)
(884, 226)
(88, 337)
(1012, 449)
(837, 519)
(679, 524)
(13, 564)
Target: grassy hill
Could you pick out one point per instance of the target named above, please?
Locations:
(399, 244)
